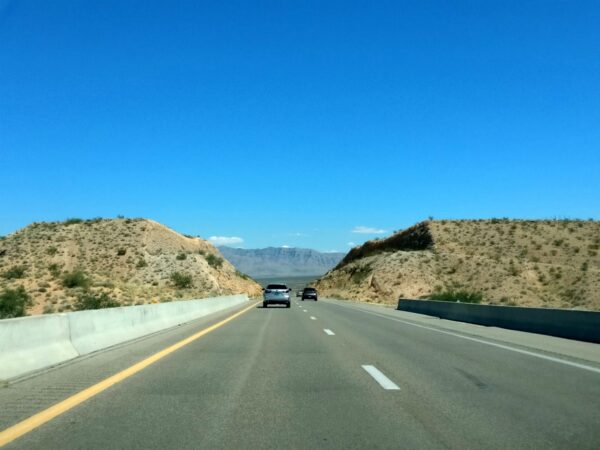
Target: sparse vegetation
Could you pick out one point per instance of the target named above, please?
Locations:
(14, 302)
(67, 258)
(181, 280)
(141, 263)
(360, 274)
(460, 296)
(529, 262)
(121, 251)
(14, 272)
(54, 270)
(75, 279)
(181, 256)
(214, 260)
(89, 300)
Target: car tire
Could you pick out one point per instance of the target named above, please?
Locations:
(265, 304)
(287, 305)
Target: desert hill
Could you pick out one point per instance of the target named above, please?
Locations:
(280, 261)
(133, 261)
(545, 263)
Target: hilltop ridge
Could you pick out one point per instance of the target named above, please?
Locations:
(545, 263)
(133, 261)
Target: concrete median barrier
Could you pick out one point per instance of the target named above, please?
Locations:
(32, 343)
(566, 323)
(97, 329)
(29, 344)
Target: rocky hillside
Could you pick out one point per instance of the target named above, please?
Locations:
(281, 261)
(133, 261)
(512, 262)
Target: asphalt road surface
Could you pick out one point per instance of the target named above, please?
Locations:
(325, 374)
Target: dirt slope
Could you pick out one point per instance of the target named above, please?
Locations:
(130, 259)
(530, 263)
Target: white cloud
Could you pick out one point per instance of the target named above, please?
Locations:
(367, 230)
(331, 251)
(352, 244)
(285, 246)
(219, 241)
(298, 234)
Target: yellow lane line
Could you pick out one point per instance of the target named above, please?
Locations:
(31, 423)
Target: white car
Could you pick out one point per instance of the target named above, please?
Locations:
(276, 294)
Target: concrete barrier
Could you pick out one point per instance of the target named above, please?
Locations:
(32, 343)
(29, 344)
(97, 329)
(566, 323)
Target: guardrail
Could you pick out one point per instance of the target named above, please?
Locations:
(28, 344)
(566, 323)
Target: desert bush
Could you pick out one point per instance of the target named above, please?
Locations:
(141, 263)
(90, 300)
(93, 221)
(14, 302)
(181, 256)
(54, 270)
(181, 280)
(214, 260)
(73, 220)
(52, 251)
(14, 272)
(75, 279)
(359, 274)
(461, 296)
(121, 251)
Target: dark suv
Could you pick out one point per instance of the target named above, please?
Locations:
(309, 294)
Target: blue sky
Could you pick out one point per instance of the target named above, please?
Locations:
(294, 123)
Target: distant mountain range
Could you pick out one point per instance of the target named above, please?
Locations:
(280, 261)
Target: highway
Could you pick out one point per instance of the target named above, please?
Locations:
(327, 374)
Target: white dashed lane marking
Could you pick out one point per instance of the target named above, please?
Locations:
(329, 332)
(383, 381)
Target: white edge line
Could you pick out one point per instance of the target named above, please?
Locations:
(383, 381)
(481, 341)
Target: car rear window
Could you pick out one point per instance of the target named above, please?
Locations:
(310, 290)
(276, 286)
